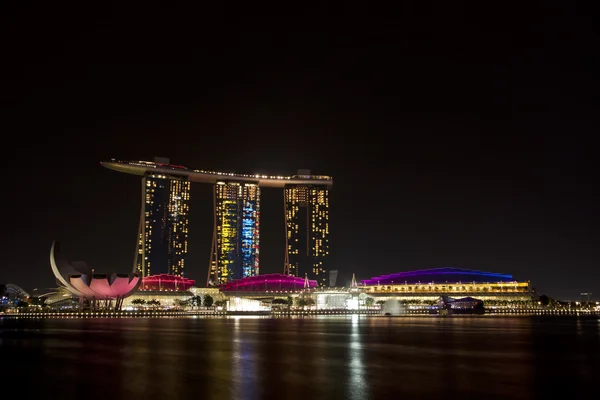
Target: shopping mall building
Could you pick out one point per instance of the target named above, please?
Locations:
(413, 288)
(428, 285)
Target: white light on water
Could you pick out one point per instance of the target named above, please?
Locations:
(241, 304)
(352, 304)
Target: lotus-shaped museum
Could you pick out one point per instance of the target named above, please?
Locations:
(78, 279)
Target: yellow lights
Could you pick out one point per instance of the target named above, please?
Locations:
(165, 211)
(505, 288)
(166, 171)
(234, 255)
(165, 222)
(306, 212)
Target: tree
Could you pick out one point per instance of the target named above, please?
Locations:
(180, 303)
(380, 302)
(369, 301)
(3, 290)
(545, 300)
(154, 303)
(138, 302)
(305, 301)
(208, 300)
(279, 302)
(220, 303)
(195, 301)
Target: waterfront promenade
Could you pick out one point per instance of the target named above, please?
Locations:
(292, 313)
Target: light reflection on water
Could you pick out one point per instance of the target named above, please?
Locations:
(357, 384)
(341, 357)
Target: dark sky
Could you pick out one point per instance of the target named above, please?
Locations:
(456, 136)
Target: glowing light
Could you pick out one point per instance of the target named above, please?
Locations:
(166, 282)
(439, 275)
(244, 304)
(235, 252)
(197, 175)
(267, 282)
(352, 304)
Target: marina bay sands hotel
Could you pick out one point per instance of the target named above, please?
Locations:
(163, 231)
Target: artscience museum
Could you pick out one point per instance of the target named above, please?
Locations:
(95, 290)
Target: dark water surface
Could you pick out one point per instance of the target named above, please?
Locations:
(301, 358)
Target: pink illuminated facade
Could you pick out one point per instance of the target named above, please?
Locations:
(104, 286)
(97, 291)
(165, 282)
(268, 282)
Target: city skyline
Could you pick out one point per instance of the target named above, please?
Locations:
(124, 188)
(454, 141)
(131, 190)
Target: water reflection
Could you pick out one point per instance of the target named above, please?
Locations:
(136, 357)
(243, 371)
(357, 386)
(301, 358)
(212, 341)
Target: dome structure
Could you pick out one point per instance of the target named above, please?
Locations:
(268, 283)
(167, 282)
(438, 275)
(80, 281)
(16, 291)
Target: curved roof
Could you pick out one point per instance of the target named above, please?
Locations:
(144, 167)
(104, 286)
(166, 281)
(438, 275)
(54, 296)
(16, 290)
(270, 282)
(99, 286)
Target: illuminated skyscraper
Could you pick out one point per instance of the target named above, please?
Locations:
(235, 249)
(307, 230)
(163, 232)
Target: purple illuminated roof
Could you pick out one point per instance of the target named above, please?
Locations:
(438, 275)
(270, 282)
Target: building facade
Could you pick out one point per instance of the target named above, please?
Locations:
(235, 248)
(428, 285)
(163, 233)
(166, 282)
(307, 231)
(162, 241)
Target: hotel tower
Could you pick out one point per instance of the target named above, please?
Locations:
(307, 230)
(163, 234)
(163, 231)
(235, 246)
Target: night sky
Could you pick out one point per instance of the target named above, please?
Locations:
(456, 136)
